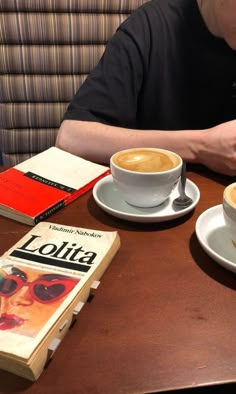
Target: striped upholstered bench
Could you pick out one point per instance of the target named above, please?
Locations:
(47, 48)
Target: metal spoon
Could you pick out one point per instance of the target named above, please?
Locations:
(183, 201)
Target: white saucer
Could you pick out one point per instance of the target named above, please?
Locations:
(213, 236)
(108, 198)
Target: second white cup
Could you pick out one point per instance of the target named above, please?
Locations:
(229, 210)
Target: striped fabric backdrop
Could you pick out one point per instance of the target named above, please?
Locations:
(47, 48)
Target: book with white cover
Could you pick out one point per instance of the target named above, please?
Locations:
(43, 277)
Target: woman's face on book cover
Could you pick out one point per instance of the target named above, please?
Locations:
(28, 298)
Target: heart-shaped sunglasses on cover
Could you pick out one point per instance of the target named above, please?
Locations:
(41, 290)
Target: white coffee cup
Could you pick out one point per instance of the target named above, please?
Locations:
(229, 209)
(145, 177)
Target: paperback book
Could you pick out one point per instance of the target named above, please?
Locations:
(45, 278)
(36, 188)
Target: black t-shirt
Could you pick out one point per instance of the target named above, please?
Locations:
(162, 69)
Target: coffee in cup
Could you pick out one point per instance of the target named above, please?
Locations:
(145, 177)
(146, 160)
(229, 210)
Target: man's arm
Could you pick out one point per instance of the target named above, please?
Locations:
(214, 147)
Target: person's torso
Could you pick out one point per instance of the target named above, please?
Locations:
(189, 75)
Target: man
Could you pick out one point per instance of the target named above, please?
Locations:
(167, 79)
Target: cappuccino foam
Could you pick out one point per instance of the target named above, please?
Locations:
(145, 160)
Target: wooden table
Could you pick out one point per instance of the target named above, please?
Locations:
(163, 317)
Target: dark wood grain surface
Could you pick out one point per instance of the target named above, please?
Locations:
(162, 319)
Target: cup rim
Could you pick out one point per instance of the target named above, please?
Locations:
(148, 172)
(230, 203)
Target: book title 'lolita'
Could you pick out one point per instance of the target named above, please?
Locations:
(65, 251)
(65, 254)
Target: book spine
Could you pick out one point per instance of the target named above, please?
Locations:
(69, 198)
(44, 215)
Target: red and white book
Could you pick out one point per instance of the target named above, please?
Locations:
(36, 188)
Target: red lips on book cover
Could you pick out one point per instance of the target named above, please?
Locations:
(10, 321)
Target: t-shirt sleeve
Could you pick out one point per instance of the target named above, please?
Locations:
(110, 93)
